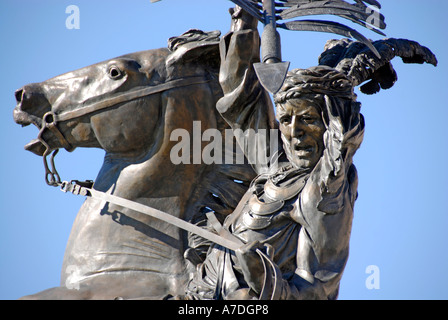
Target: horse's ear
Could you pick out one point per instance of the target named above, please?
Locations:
(195, 46)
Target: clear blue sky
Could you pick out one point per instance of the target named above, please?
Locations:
(400, 222)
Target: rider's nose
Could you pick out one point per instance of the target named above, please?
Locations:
(296, 128)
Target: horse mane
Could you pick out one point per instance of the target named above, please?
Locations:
(222, 185)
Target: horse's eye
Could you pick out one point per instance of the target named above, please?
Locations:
(115, 72)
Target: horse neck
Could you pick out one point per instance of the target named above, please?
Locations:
(149, 176)
(150, 179)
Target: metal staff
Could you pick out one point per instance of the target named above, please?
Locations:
(271, 71)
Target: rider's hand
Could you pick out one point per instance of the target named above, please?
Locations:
(251, 265)
(242, 20)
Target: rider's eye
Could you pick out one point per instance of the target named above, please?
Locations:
(115, 72)
(308, 119)
(285, 120)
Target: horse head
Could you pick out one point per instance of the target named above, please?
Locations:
(73, 100)
(121, 105)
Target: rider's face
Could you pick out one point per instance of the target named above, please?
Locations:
(302, 131)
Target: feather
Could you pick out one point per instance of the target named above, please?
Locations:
(290, 3)
(330, 27)
(353, 12)
(356, 12)
(336, 4)
(366, 25)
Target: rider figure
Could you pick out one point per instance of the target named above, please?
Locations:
(295, 218)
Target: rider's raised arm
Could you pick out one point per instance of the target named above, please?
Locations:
(327, 202)
(245, 105)
(324, 209)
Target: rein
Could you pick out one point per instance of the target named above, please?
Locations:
(50, 120)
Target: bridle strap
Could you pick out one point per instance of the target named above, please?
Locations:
(134, 94)
(58, 134)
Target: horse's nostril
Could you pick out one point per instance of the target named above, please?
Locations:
(19, 95)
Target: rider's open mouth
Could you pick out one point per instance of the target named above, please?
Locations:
(302, 150)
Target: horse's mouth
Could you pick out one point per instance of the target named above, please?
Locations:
(25, 119)
(36, 147)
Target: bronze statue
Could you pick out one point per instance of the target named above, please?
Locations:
(294, 217)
